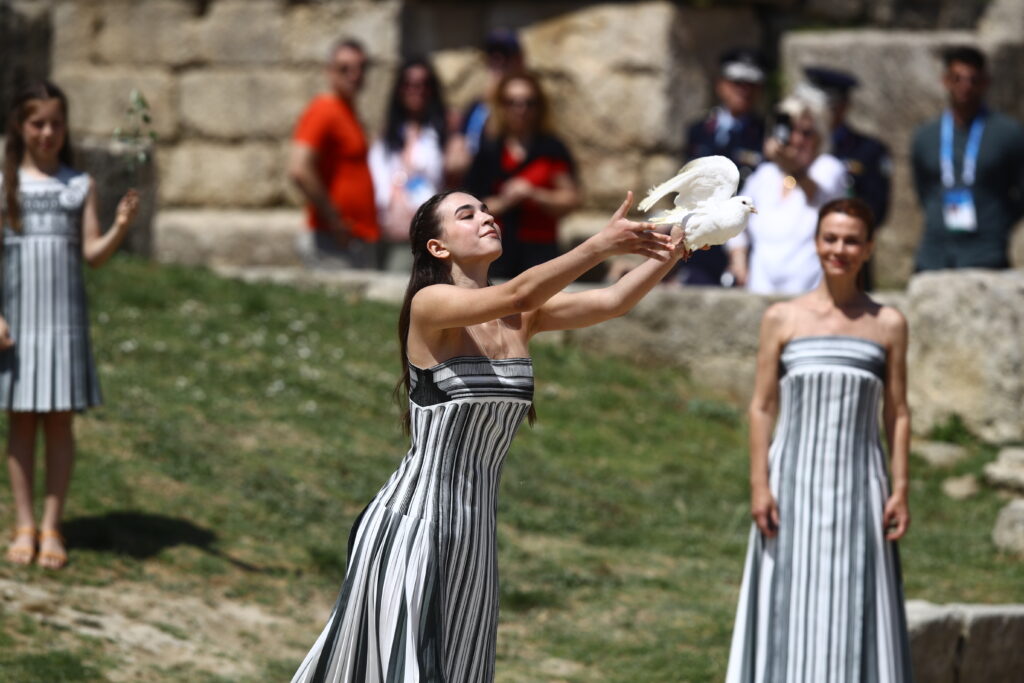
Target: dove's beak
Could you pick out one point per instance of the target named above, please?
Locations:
(753, 209)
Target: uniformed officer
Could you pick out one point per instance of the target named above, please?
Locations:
(733, 129)
(866, 158)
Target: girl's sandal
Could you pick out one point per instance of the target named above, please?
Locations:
(51, 559)
(22, 553)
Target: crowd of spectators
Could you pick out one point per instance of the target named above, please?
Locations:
(967, 167)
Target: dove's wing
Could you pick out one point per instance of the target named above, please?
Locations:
(708, 180)
(702, 180)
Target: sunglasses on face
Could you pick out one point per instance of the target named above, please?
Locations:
(346, 68)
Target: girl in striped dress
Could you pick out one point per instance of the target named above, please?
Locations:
(822, 595)
(48, 211)
(420, 598)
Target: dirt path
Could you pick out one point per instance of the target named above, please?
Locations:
(148, 630)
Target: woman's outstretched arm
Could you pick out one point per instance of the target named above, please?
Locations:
(441, 307)
(570, 311)
(896, 415)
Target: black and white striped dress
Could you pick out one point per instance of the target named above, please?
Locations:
(50, 367)
(420, 597)
(822, 602)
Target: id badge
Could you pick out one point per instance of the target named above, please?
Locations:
(958, 210)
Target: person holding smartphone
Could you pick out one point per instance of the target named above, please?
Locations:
(775, 254)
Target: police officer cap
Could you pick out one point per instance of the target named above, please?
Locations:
(742, 64)
(836, 84)
(502, 41)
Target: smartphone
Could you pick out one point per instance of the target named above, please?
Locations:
(782, 128)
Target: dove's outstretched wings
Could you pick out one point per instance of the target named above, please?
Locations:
(707, 179)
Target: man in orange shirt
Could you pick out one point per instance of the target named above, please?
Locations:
(328, 163)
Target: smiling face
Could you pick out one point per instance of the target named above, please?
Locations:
(468, 232)
(843, 245)
(44, 130)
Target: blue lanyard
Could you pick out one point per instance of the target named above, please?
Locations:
(970, 152)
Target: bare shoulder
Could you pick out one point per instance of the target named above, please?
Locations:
(893, 326)
(780, 315)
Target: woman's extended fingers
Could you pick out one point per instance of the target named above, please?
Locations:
(624, 207)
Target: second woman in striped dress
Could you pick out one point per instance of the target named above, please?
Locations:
(420, 597)
(822, 596)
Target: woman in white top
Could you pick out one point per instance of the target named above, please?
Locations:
(407, 161)
(775, 254)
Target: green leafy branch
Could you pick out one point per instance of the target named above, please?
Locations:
(137, 132)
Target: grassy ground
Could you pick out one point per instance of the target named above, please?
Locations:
(246, 426)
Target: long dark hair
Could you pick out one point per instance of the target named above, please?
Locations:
(14, 145)
(426, 270)
(433, 116)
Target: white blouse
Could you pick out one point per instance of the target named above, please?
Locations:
(780, 236)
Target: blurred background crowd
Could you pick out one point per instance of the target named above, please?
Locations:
(549, 112)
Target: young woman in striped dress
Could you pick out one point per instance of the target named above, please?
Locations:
(48, 211)
(420, 598)
(822, 595)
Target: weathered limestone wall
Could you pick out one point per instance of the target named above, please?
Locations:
(226, 81)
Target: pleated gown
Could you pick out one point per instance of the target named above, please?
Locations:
(822, 602)
(50, 367)
(420, 598)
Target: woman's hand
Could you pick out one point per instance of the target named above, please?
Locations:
(5, 335)
(764, 511)
(515, 191)
(623, 236)
(127, 209)
(896, 517)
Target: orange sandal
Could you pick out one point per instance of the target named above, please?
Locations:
(22, 553)
(51, 559)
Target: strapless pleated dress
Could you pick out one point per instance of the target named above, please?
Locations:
(822, 602)
(420, 598)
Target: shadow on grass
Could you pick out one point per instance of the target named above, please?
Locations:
(142, 535)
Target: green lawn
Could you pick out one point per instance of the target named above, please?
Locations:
(246, 425)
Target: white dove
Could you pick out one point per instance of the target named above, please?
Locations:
(705, 207)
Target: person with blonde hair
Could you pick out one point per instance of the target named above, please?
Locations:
(775, 254)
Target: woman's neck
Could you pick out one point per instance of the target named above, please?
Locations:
(470, 276)
(843, 292)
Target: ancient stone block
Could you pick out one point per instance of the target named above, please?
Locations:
(310, 29)
(244, 103)
(152, 32)
(1008, 470)
(99, 97)
(218, 175)
(934, 632)
(965, 355)
(216, 237)
(74, 32)
(243, 32)
(1008, 534)
(994, 634)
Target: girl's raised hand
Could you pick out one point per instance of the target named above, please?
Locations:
(623, 236)
(127, 209)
